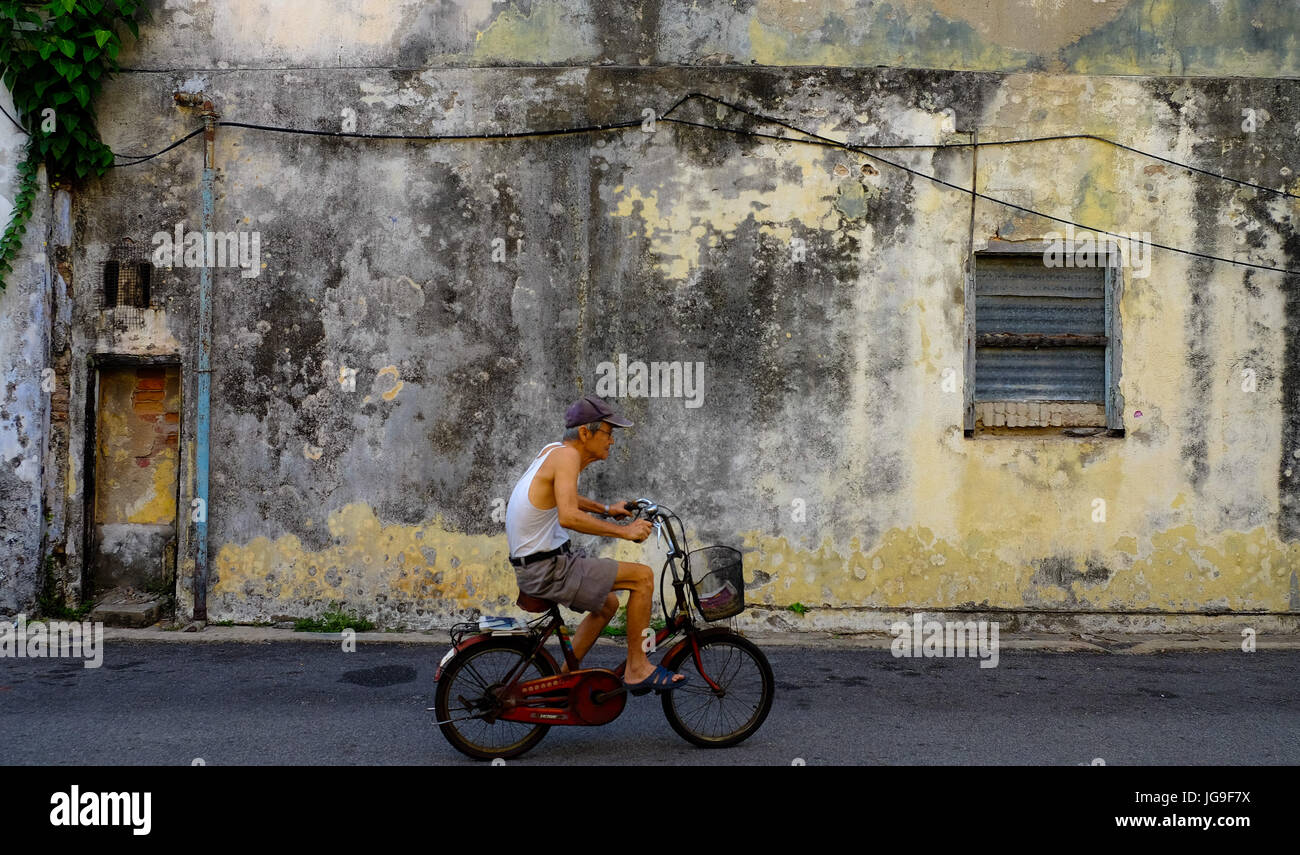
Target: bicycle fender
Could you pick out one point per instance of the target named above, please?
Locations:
(475, 640)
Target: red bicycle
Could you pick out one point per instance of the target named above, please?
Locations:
(500, 692)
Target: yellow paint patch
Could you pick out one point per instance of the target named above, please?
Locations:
(675, 231)
(1181, 570)
(907, 568)
(300, 28)
(158, 506)
(778, 38)
(131, 431)
(546, 34)
(403, 563)
(391, 371)
(913, 569)
(1039, 26)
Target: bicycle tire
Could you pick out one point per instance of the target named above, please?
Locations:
(471, 675)
(728, 658)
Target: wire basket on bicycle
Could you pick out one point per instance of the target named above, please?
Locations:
(717, 582)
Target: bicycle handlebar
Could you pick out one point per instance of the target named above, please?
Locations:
(662, 519)
(638, 507)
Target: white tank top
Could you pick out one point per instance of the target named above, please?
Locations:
(530, 529)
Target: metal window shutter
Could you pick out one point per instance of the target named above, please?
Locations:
(1018, 294)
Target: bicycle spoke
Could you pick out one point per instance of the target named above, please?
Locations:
(739, 677)
(479, 680)
(472, 688)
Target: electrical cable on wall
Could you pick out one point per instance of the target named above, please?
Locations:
(991, 144)
(815, 139)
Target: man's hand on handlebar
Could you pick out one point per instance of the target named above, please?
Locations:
(637, 530)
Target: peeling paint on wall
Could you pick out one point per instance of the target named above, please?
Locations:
(1121, 37)
(405, 574)
(1171, 570)
(427, 311)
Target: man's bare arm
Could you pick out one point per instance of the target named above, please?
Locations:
(591, 506)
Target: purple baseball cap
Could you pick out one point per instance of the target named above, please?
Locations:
(588, 409)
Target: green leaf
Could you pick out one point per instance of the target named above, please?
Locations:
(111, 50)
(46, 49)
(93, 71)
(69, 48)
(102, 36)
(131, 25)
(82, 91)
(68, 5)
(88, 53)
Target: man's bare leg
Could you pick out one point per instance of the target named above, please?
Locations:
(638, 581)
(585, 638)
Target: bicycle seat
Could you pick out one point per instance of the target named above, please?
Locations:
(529, 603)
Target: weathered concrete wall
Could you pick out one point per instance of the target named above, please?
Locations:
(424, 311)
(25, 324)
(1218, 38)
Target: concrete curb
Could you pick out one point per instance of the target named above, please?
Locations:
(1059, 643)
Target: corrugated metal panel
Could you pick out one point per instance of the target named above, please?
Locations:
(1040, 374)
(1027, 276)
(1046, 315)
(1019, 294)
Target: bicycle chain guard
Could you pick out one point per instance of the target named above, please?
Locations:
(578, 704)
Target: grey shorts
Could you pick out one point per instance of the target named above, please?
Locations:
(574, 579)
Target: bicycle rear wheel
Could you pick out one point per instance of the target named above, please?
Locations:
(720, 719)
(465, 699)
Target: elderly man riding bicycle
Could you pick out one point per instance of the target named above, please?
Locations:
(544, 503)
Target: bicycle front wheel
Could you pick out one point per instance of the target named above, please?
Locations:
(735, 711)
(466, 700)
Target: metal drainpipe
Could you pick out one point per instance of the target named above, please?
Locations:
(202, 437)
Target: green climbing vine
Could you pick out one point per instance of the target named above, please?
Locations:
(55, 58)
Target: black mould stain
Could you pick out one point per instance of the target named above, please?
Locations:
(1060, 571)
(1259, 155)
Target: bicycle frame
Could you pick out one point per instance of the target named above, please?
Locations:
(553, 700)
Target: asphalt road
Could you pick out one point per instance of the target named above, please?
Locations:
(302, 703)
